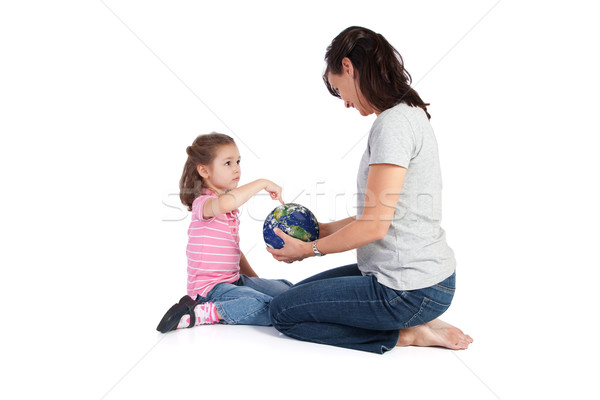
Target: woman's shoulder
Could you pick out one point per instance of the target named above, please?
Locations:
(402, 118)
(399, 117)
(405, 112)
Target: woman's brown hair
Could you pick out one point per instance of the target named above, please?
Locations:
(382, 78)
(202, 151)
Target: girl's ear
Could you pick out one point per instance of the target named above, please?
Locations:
(202, 171)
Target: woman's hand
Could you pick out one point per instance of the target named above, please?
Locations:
(292, 250)
(274, 190)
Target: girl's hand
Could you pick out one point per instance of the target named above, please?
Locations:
(275, 191)
(292, 250)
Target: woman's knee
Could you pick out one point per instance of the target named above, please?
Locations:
(276, 311)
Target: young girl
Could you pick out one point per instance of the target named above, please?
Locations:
(221, 284)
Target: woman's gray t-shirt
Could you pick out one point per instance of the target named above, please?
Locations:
(414, 253)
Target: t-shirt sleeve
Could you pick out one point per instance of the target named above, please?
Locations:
(392, 141)
(198, 207)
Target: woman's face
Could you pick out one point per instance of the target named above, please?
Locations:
(346, 84)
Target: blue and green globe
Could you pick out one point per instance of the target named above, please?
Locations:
(295, 220)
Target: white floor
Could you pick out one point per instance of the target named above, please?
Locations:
(112, 352)
(99, 99)
(502, 364)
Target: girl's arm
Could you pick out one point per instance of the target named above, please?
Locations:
(245, 267)
(384, 184)
(233, 199)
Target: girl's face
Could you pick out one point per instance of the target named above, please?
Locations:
(347, 87)
(223, 174)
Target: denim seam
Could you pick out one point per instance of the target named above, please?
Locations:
(266, 307)
(327, 302)
(230, 321)
(444, 288)
(418, 313)
(322, 302)
(437, 302)
(223, 315)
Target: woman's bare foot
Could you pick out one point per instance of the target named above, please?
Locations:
(434, 333)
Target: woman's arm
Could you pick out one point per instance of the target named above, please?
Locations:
(245, 267)
(384, 184)
(233, 199)
(326, 229)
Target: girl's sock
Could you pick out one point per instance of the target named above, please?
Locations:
(206, 313)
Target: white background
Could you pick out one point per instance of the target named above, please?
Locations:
(98, 101)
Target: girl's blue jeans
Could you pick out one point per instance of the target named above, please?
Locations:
(246, 301)
(341, 307)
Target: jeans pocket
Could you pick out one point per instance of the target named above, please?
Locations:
(429, 310)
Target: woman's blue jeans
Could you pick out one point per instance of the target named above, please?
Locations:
(341, 307)
(246, 301)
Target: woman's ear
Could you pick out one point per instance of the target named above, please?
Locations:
(202, 171)
(347, 66)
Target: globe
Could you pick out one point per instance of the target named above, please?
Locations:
(295, 220)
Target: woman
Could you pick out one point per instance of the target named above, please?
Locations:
(404, 277)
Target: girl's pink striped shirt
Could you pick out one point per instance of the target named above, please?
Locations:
(213, 250)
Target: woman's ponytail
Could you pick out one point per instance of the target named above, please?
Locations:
(382, 78)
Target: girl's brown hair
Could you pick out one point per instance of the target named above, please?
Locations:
(202, 151)
(382, 78)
